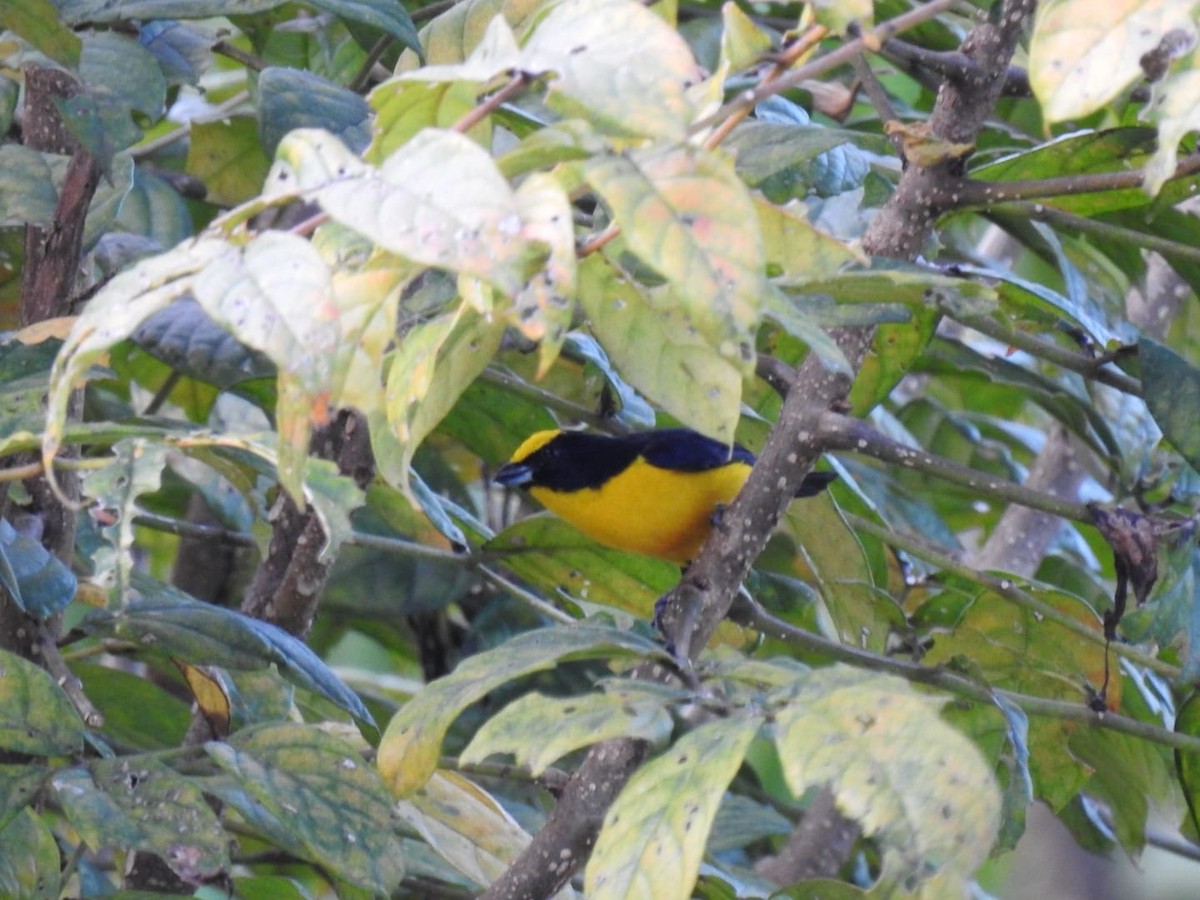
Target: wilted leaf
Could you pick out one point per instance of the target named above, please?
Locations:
(917, 786)
(654, 834)
(319, 789)
(141, 803)
(409, 750)
(36, 718)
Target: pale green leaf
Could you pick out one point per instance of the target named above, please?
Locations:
(495, 54)
(617, 64)
(435, 362)
(685, 214)
(465, 826)
(658, 355)
(917, 786)
(654, 834)
(543, 308)
(440, 201)
(537, 730)
(796, 252)
(409, 751)
(743, 42)
(1082, 53)
(114, 313)
(136, 468)
(1176, 111)
(403, 108)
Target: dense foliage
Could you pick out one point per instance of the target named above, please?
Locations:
(286, 281)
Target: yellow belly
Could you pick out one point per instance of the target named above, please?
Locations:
(649, 510)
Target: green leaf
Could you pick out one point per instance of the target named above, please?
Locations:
(35, 579)
(169, 620)
(913, 783)
(743, 42)
(387, 15)
(861, 611)
(27, 191)
(1172, 389)
(37, 22)
(657, 354)
(796, 252)
(654, 834)
(228, 158)
(1021, 650)
(685, 214)
(1187, 764)
(140, 803)
(538, 730)
(187, 339)
(404, 108)
(465, 825)
(36, 717)
(138, 712)
(120, 72)
(29, 859)
(764, 149)
(551, 555)
(18, 786)
(408, 753)
(77, 12)
(318, 788)
(293, 98)
(618, 64)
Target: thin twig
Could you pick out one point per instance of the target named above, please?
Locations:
(527, 597)
(841, 56)
(516, 84)
(1008, 589)
(249, 60)
(1115, 233)
(935, 676)
(838, 432)
(989, 193)
(363, 76)
(1090, 367)
(67, 680)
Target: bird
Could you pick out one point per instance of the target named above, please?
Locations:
(653, 492)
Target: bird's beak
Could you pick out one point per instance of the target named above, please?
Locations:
(514, 475)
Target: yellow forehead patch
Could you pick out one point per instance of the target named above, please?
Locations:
(534, 443)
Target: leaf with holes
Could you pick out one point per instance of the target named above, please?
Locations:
(320, 791)
(917, 786)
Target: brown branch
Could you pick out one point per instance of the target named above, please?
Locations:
(951, 66)
(516, 84)
(989, 193)
(818, 846)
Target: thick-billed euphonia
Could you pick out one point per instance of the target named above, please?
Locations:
(653, 492)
